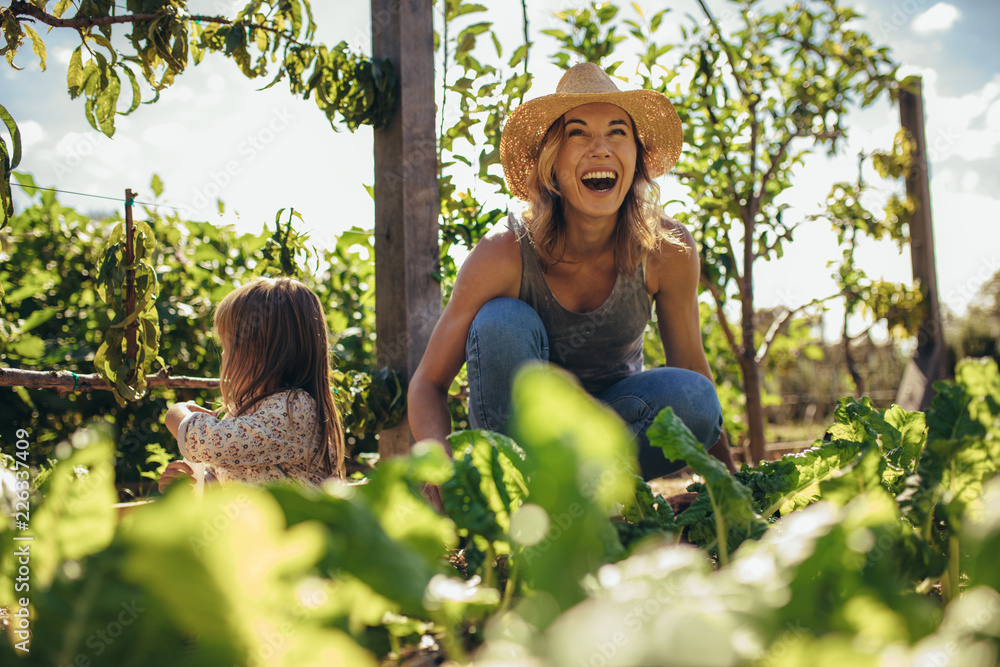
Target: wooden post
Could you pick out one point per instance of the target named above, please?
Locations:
(132, 331)
(928, 363)
(407, 293)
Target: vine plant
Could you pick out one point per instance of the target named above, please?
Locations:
(479, 96)
(129, 288)
(165, 37)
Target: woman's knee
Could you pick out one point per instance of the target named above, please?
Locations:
(693, 399)
(702, 410)
(507, 322)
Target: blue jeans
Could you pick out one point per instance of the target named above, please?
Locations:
(507, 333)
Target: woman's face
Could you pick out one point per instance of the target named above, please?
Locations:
(595, 164)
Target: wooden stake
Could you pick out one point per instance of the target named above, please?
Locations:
(407, 293)
(132, 331)
(928, 363)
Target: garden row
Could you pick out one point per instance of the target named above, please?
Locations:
(875, 547)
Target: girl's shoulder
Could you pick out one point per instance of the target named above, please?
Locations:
(296, 402)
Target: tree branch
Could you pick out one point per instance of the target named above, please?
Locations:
(66, 381)
(775, 161)
(781, 323)
(725, 45)
(721, 316)
(736, 271)
(22, 8)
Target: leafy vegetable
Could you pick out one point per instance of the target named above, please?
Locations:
(731, 512)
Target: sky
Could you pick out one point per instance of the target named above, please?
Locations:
(213, 135)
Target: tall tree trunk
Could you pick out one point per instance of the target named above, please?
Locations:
(754, 407)
(748, 361)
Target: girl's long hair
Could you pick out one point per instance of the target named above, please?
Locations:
(274, 338)
(638, 230)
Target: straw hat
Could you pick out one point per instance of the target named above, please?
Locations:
(656, 123)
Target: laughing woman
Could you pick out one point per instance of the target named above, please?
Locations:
(573, 282)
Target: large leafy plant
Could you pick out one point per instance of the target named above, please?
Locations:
(359, 574)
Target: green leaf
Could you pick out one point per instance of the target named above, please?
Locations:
(157, 185)
(37, 45)
(136, 93)
(15, 139)
(74, 73)
(912, 431)
(730, 500)
(76, 518)
(357, 544)
(791, 482)
(580, 462)
(393, 495)
(61, 7)
(29, 347)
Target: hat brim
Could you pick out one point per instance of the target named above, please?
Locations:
(657, 127)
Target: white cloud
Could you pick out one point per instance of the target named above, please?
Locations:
(216, 82)
(61, 55)
(167, 135)
(951, 123)
(939, 18)
(965, 258)
(31, 133)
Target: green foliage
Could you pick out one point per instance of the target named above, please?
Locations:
(648, 516)
(591, 35)
(131, 342)
(475, 99)
(347, 87)
(10, 159)
(54, 316)
(728, 505)
(580, 462)
(357, 574)
(901, 307)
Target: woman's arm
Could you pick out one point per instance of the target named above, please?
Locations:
(492, 270)
(672, 277)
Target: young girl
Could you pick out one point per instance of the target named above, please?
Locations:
(280, 417)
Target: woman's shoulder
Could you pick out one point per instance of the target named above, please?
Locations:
(675, 237)
(674, 259)
(496, 259)
(504, 240)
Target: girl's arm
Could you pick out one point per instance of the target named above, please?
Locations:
(178, 412)
(673, 275)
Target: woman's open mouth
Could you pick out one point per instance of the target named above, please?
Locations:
(600, 181)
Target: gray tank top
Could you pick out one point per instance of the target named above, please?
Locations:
(600, 347)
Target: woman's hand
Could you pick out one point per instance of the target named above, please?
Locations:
(433, 495)
(175, 470)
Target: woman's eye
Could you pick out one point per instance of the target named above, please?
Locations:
(618, 131)
(575, 132)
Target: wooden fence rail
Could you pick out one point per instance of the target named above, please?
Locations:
(65, 382)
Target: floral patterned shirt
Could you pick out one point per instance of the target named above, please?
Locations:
(272, 442)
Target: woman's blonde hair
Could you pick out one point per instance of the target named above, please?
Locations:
(638, 231)
(274, 338)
